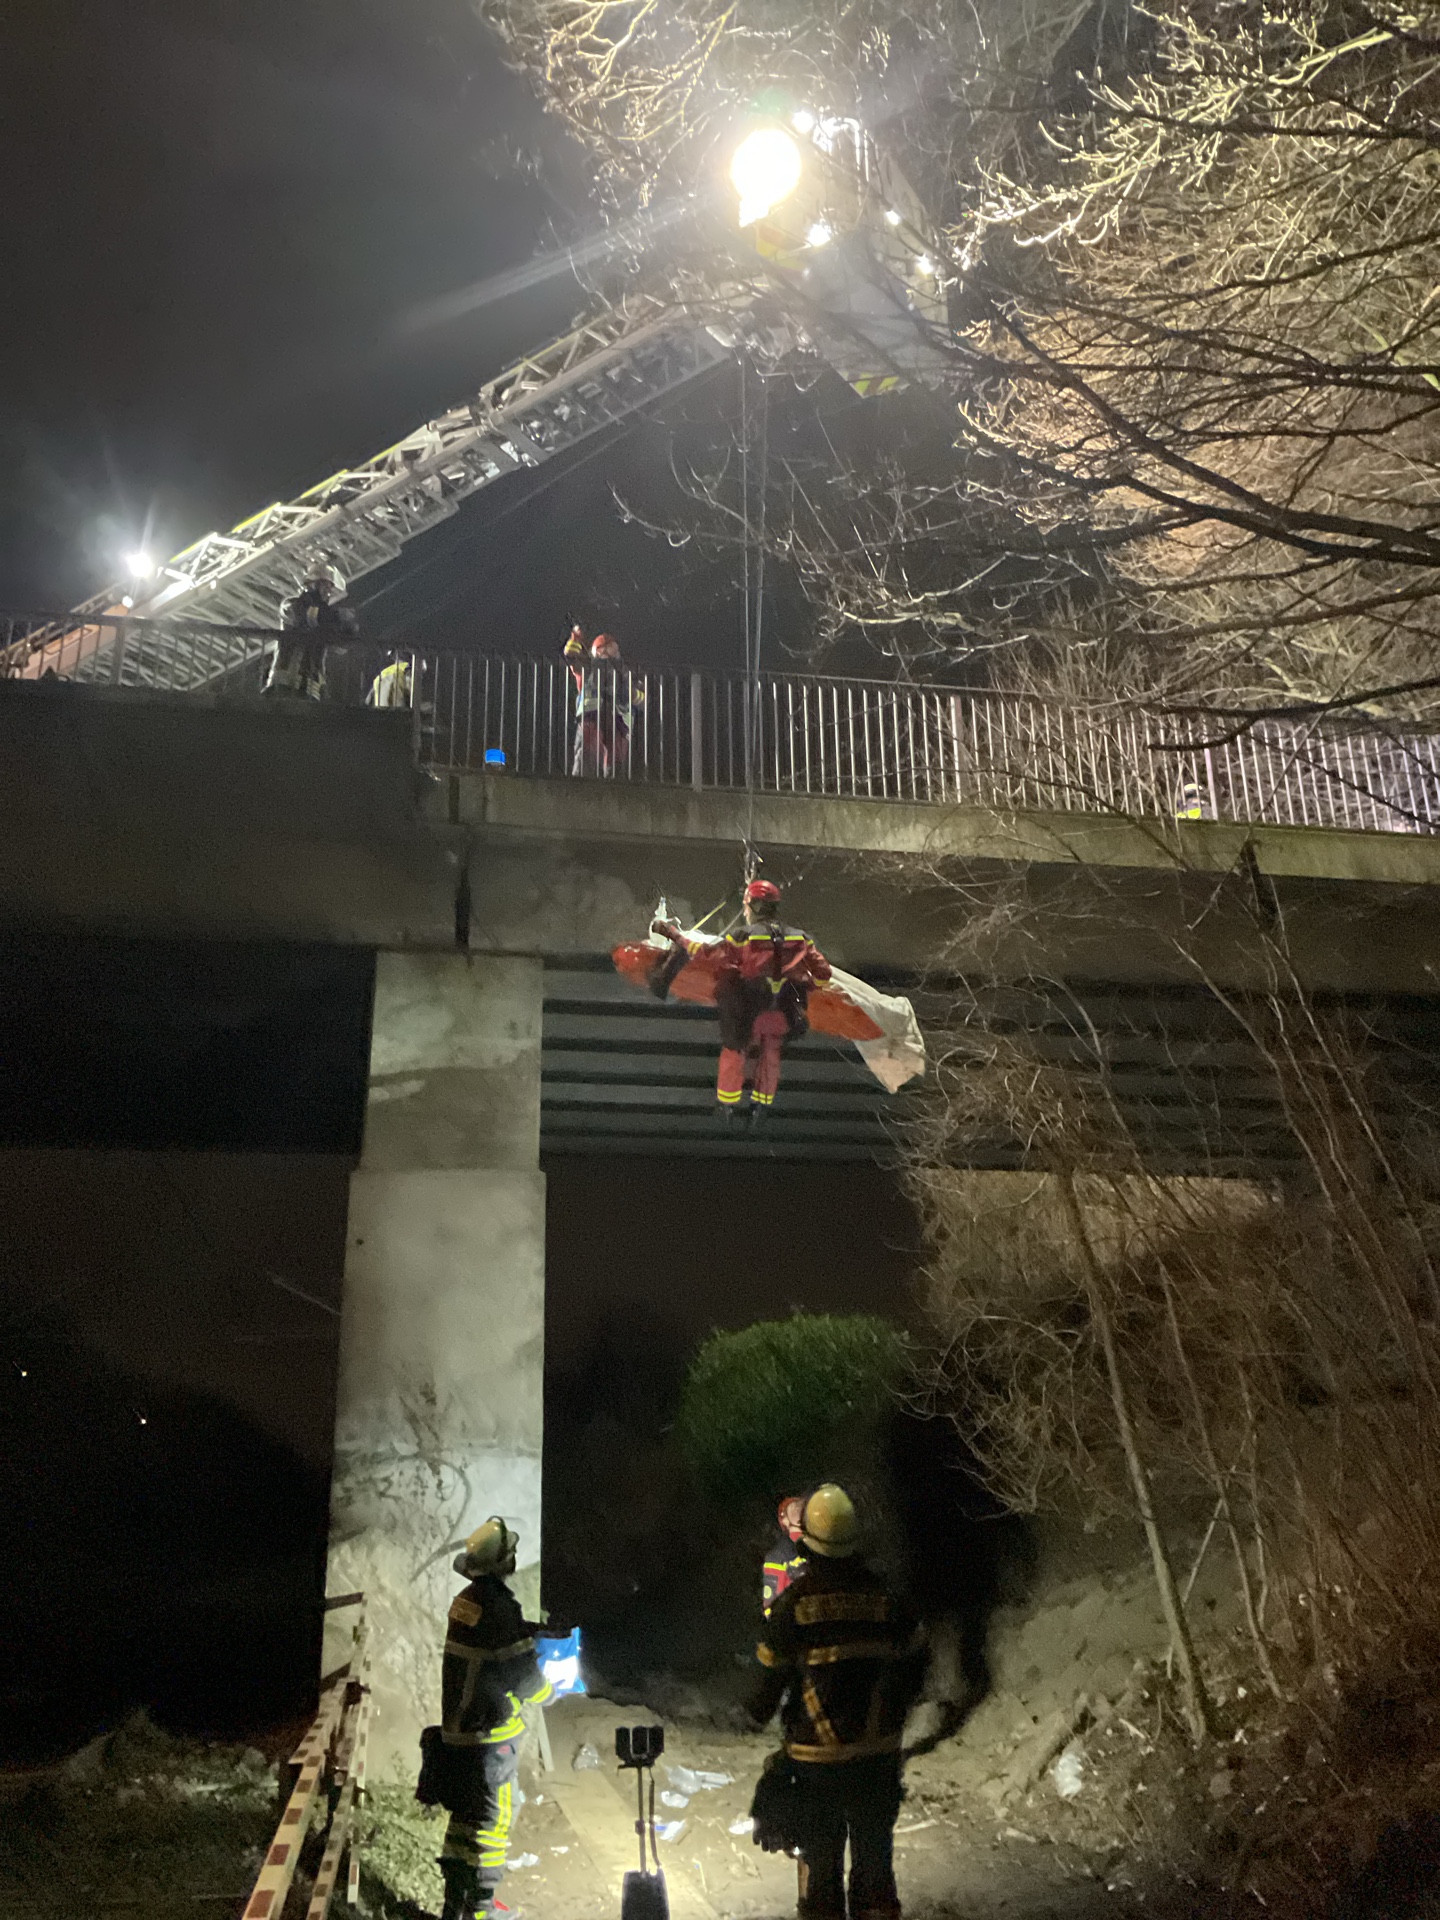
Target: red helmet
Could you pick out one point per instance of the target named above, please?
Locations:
(762, 892)
(791, 1514)
(604, 643)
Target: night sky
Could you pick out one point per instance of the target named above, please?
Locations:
(216, 221)
(222, 228)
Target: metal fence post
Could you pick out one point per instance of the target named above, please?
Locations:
(122, 638)
(697, 733)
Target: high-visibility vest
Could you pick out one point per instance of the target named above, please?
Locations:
(603, 689)
(391, 686)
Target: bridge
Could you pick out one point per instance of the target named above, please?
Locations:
(455, 840)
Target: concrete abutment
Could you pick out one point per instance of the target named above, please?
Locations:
(440, 1396)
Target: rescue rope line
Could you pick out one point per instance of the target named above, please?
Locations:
(753, 590)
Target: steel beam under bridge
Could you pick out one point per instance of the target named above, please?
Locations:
(1180, 1074)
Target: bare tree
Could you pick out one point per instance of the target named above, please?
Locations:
(1195, 367)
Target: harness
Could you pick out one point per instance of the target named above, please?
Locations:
(600, 689)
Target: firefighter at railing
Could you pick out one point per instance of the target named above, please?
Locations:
(312, 621)
(391, 686)
(606, 696)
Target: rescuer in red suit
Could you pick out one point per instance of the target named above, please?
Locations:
(765, 975)
(785, 1560)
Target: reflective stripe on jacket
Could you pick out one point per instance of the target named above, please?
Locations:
(391, 686)
(602, 690)
(785, 1563)
(842, 1659)
(781, 956)
(490, 1671)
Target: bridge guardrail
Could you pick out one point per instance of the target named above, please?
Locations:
(803, 733)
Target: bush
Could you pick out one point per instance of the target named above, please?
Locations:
(784, 1404)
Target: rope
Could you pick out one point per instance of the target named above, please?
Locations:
(753, 592)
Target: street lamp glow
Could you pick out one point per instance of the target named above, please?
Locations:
(820, 235)
(140, 565)
(764, 170)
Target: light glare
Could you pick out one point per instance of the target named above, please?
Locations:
(803, 120)
(925, 263)
(764, 170)
(892, 218)
(139, 564)
(821, 234)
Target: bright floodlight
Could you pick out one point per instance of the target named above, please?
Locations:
(820, 235)
(139, 564)
(764, 171)
(803, 120)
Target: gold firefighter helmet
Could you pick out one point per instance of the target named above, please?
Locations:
(490, 1549)
(830, 1526)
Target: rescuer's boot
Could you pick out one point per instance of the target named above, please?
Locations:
(464, 1895)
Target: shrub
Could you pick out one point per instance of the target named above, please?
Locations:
(784, 1404)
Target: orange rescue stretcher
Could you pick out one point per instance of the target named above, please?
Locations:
(883, 1026)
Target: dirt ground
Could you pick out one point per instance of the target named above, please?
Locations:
(140, 1822)
(1070, 1792)
(954, 1854)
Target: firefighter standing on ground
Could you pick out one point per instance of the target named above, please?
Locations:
(842, 1659)
(766, 973)
(490, 1674)
(605, 702)
(785, 1560)
(311, 621)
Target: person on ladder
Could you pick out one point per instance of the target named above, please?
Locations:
(311, 621)
(764, 981)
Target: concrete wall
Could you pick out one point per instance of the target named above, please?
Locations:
(173, 815)
(440, 1399)
(574, 890)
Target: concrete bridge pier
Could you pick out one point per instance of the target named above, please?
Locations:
(439, 1412)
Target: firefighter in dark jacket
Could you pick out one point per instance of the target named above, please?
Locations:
(843, 1660)
(490, 1674)
(311, 621)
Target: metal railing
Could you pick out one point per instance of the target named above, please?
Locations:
(874, 740)
(323, 1808)
(804, 734)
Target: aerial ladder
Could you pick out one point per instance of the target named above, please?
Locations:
(844, 256)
